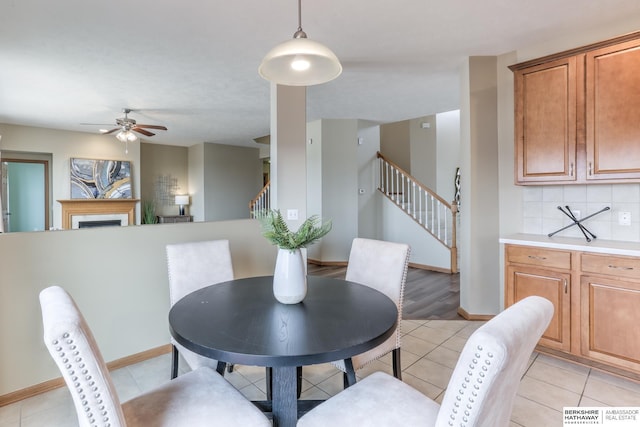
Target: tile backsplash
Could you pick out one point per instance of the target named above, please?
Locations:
(542, 216)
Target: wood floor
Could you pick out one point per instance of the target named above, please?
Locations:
(427, 294)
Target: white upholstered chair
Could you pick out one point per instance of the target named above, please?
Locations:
(192, 266)
(198, 398)
(480, 392)
(383, 266)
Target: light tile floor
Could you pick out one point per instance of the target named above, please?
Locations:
(429, 353)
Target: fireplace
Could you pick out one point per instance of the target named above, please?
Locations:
(99, 223)
(97, 212)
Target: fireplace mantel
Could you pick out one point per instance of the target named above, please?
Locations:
(96, 207)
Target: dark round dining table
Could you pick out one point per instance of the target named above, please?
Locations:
(241, 322)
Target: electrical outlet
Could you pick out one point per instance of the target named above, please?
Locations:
(292, 214)
(624, 218)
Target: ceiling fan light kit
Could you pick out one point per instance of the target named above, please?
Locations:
(300, 61)
(126, 136)
(126, 127)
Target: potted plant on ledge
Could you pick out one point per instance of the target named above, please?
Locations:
(289, 278)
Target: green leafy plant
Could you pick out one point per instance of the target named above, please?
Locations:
(275, 230)
(149, 212)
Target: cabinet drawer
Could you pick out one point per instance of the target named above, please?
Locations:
(538, 256)
(617, 266)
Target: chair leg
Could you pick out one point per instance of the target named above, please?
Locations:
(299, 375)
(174, 362)
(349, 376)
(221, 367)
(397, 369)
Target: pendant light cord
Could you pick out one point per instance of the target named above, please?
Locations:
(299, 34)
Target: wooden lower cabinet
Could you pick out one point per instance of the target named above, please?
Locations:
(526, 281)
(609, 310)
(596, 299)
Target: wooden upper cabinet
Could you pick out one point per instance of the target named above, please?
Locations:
(546, 122)
(613, 112)
(577, 115)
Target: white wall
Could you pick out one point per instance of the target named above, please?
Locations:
(397, 226)
(196, 182)
(339, 187)
(232, 178)
(423, 148)
(447, 152)
(64, 145)
(394, 143)
(314, 178)
(118, 277)
(368, 203)
(158, 161)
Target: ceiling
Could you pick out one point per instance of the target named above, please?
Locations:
(192, 65)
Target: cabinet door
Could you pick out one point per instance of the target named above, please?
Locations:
(609, 319)
(545, 104)
(613, 112)
(525, 281)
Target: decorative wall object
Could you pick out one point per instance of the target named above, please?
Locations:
(100, 179)
(166, 187)
(456, 183)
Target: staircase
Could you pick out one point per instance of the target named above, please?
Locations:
(261, 203)
(425, 207)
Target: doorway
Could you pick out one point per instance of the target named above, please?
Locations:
(25, 195)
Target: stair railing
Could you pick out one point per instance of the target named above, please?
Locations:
(261, 203)
(424, 206)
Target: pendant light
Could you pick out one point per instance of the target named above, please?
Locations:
(300, 61)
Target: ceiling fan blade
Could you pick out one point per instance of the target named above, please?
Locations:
(96, 124)
(110, 131)
(142, 131)
(151, 127)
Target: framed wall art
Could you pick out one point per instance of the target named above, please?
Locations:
(100, 179)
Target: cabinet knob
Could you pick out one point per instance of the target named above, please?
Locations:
(571, 169)
(590, 168)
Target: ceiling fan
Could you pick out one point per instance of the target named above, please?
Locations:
(127, 125)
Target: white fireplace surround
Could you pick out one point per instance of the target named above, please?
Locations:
(77, 219)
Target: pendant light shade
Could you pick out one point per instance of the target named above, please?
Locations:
(300, 61)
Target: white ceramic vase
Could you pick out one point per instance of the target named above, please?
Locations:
(289, 277)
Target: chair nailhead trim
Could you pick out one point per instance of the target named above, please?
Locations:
(475, 377)
(72, 360)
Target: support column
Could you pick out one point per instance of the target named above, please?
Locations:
(288, 151)
(479, 221)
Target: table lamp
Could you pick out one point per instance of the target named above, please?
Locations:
(182, 200)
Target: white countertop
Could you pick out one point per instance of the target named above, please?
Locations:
(611, 247)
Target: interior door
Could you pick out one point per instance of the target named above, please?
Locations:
(25, 195)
